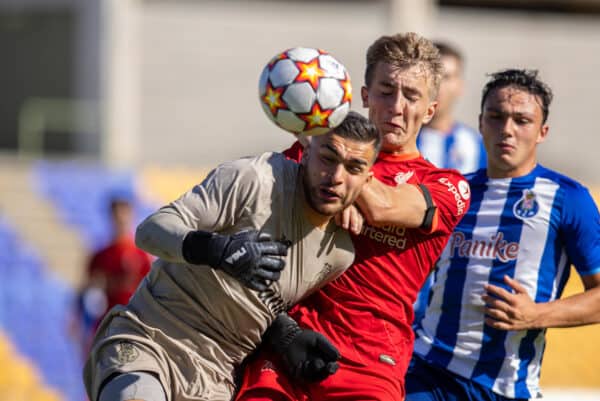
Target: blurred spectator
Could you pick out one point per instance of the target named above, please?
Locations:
(113, 272)
(446, 142)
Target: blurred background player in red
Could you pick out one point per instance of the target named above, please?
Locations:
(114, 271)
(410, 210)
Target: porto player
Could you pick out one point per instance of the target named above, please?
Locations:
(498, 284)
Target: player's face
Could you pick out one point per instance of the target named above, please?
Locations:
(122, 217)
(336, 170)
(511, 124)
(399, 104)
(451, 86)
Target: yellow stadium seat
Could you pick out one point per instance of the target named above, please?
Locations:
(164, 185)
(19, 379)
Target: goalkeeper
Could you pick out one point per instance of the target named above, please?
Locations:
(220, 279)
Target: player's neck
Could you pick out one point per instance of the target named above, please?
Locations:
(315, 218)
(442, 123)
(408, 150)
(519, 171)
(121, 232)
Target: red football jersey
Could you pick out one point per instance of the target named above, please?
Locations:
(123, 265)
(369, 309)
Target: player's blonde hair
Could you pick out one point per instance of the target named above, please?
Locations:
(405, 50)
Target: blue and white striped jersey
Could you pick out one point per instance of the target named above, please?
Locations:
(461, 149)
(531, 228)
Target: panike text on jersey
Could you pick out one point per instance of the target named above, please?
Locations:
(192, 325)
(530, 228)
(461, 148)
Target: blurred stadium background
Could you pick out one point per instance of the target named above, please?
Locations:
(148, 95)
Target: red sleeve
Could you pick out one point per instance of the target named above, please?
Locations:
(451, 195)
(146, 262)
(294, 152)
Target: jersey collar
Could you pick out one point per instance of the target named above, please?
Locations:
(390, 157)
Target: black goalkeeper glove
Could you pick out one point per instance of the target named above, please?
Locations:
(305, 354)
(251, 257)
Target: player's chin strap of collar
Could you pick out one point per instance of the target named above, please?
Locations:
(430, 211)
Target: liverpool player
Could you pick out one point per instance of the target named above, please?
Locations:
(411, 210)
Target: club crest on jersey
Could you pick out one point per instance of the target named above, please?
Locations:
(325, 273)
(403, 176)
(126, 352)
(527, 206)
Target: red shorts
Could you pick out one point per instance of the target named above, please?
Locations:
(375, 356)
(263, 380)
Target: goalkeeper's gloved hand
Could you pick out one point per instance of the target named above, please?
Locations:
(305, 354)
(251, 257)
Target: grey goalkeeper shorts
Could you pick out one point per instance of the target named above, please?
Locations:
(132, 386)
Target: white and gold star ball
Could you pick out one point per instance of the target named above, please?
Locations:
(305, 91)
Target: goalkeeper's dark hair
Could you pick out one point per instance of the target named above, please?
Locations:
(358, 128)
(526, 80)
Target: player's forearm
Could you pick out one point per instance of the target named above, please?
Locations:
(382, 204)
(577, 310)
(162, 235)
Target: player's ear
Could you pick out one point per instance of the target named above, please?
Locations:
(364, 94)
(461, 85)
(543, 133)
(431, 108)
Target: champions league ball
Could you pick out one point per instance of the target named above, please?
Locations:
(305, 91)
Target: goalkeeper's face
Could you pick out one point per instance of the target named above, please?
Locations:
(335, 171)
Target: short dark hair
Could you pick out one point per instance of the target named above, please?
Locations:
(449, 50)
(526, 80)
(358, 128)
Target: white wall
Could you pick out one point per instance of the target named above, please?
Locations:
(200, 63)
(566, 50)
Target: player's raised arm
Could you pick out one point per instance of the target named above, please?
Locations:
(404, 205)
(442, 197)
(185, 231)
(515, 308)
(217, 202)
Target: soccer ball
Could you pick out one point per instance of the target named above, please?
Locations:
(305, 91)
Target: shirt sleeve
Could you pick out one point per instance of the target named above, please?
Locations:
(581, 230)
(451, 196)
(219, 201)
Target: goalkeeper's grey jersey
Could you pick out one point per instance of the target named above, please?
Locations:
(193, 324)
